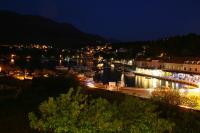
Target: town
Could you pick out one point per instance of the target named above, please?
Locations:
(99, 66)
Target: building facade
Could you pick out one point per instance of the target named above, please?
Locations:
(184, 66)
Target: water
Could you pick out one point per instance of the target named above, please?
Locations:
(108, 75)
(146, 82)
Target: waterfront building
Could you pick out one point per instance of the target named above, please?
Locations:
(188, 65)
(148, 63)
(187, 69)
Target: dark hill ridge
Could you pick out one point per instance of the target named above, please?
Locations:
(28, 28)
(187, 45)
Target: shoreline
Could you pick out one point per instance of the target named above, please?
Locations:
(169, 79)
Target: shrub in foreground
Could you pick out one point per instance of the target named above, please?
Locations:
(173, 97)
(75, 113)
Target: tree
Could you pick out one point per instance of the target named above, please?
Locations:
(139, 116)
(167, 95)
(174, 97)
(186, 120)
(74, 112)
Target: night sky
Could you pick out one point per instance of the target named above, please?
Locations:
(127, 20)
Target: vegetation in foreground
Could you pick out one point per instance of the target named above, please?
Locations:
(14, 111)
(174, 97)
(17, 98)
(169, 100)
(75, 113)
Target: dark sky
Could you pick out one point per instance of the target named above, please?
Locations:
(127, 20)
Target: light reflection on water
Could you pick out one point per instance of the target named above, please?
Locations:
(137, 81)
(147, 82)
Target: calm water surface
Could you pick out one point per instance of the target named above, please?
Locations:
(108, 75)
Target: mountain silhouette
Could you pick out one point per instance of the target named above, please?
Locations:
(17, 28)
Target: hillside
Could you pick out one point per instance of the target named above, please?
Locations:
(28, 28)
(181, 45)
